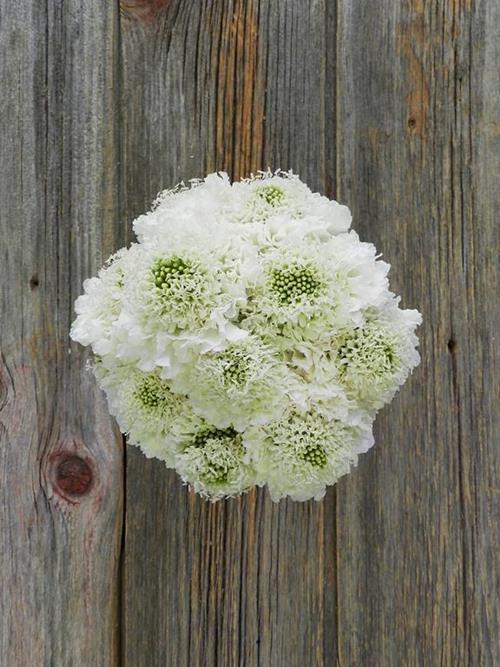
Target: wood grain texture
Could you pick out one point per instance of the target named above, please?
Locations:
(60, 458)
(418, 161)
(392, 107)
(236, 86)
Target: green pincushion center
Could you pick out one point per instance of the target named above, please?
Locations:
(151, 391)
(290, 284)
(214, 471)
(367, 349)
(168, 270)
(315, 455)
(271, 194)
(215, 475)
(236, 370)
(199, 440)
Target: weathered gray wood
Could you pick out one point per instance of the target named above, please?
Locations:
(235, 85)
(419, 101)
(398, 96)
(60, 457)
(391, 106)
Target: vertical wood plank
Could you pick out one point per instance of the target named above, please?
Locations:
(60, 457)
(235, 85)
(395, 105)
(418, 92)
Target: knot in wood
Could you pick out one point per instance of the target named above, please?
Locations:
(144, 11)
(73, 476)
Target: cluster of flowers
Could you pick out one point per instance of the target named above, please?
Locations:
(249, 337)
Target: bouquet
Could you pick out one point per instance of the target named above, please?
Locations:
(248, 337)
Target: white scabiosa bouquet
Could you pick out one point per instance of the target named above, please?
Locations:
(248, 337)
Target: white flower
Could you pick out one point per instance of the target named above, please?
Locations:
(316, 386)
(145, 407)
(375, 359)
(241, 385)
(302, 453)
(306, 292)
(283, 194)
(100, 306)
(181, 208)
(177, 301)
(214, 462)
(173, 290)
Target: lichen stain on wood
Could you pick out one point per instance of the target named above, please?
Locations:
(144, 11)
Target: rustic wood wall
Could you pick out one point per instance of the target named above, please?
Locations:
(390, 106)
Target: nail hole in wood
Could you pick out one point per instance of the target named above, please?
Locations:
(73, 476)
(452, 345)
(34, 281)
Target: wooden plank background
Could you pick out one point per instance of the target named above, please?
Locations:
(390, 106)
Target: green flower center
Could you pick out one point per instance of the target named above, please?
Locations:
(236, 369)
(290, 284)
(315, 455)
(271, 194)
(214, 471)
(368, 350)
(170, 270)
(151, 392)
(225, 435)
(216, 474)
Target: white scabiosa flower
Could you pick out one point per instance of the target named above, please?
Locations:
(248, 337)
(283, 194)
(177, 301)
(173, 290)
(214, 462)
(184, 207)
(241, 385)
(315, 387)
(303, 453)
(99, 307)
(375, 359)
(308, 291)
(294, 297)
(360, 277)
(145, 407)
